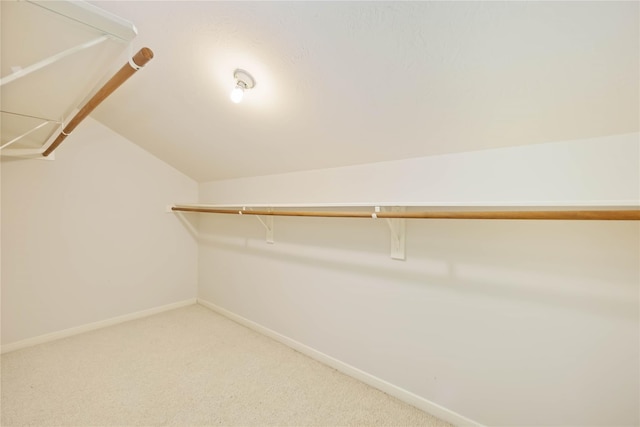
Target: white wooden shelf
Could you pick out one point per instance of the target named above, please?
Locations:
(395, 215)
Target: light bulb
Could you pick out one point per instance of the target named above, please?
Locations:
(237, 93)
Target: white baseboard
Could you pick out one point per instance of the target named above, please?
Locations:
(395, 391)
(92, 326)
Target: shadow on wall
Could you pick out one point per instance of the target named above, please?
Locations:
(589, 266)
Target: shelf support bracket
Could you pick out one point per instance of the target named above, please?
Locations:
(17, 138)
(267, 223)
(48, 61)
(397, 227)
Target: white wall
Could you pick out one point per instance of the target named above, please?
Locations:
(504, 322)
(593, 171)
(86, 238)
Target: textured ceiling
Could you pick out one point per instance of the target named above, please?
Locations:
(342, 83)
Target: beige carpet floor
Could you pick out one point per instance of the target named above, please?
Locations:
(186, 367)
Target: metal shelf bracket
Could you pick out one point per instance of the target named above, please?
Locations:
(397, 227)
(266, 222)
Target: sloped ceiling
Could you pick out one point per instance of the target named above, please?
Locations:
(342, 83)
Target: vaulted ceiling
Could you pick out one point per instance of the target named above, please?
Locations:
(343, 83)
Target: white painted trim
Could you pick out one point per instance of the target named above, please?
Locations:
(93, 326)
(393, 390)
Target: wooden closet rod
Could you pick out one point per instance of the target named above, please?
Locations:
(620, 215)
(138, 61)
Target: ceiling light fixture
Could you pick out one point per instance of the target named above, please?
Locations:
(243, 81)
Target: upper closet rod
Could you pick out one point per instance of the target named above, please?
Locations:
(624, 215)
(138, 61)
